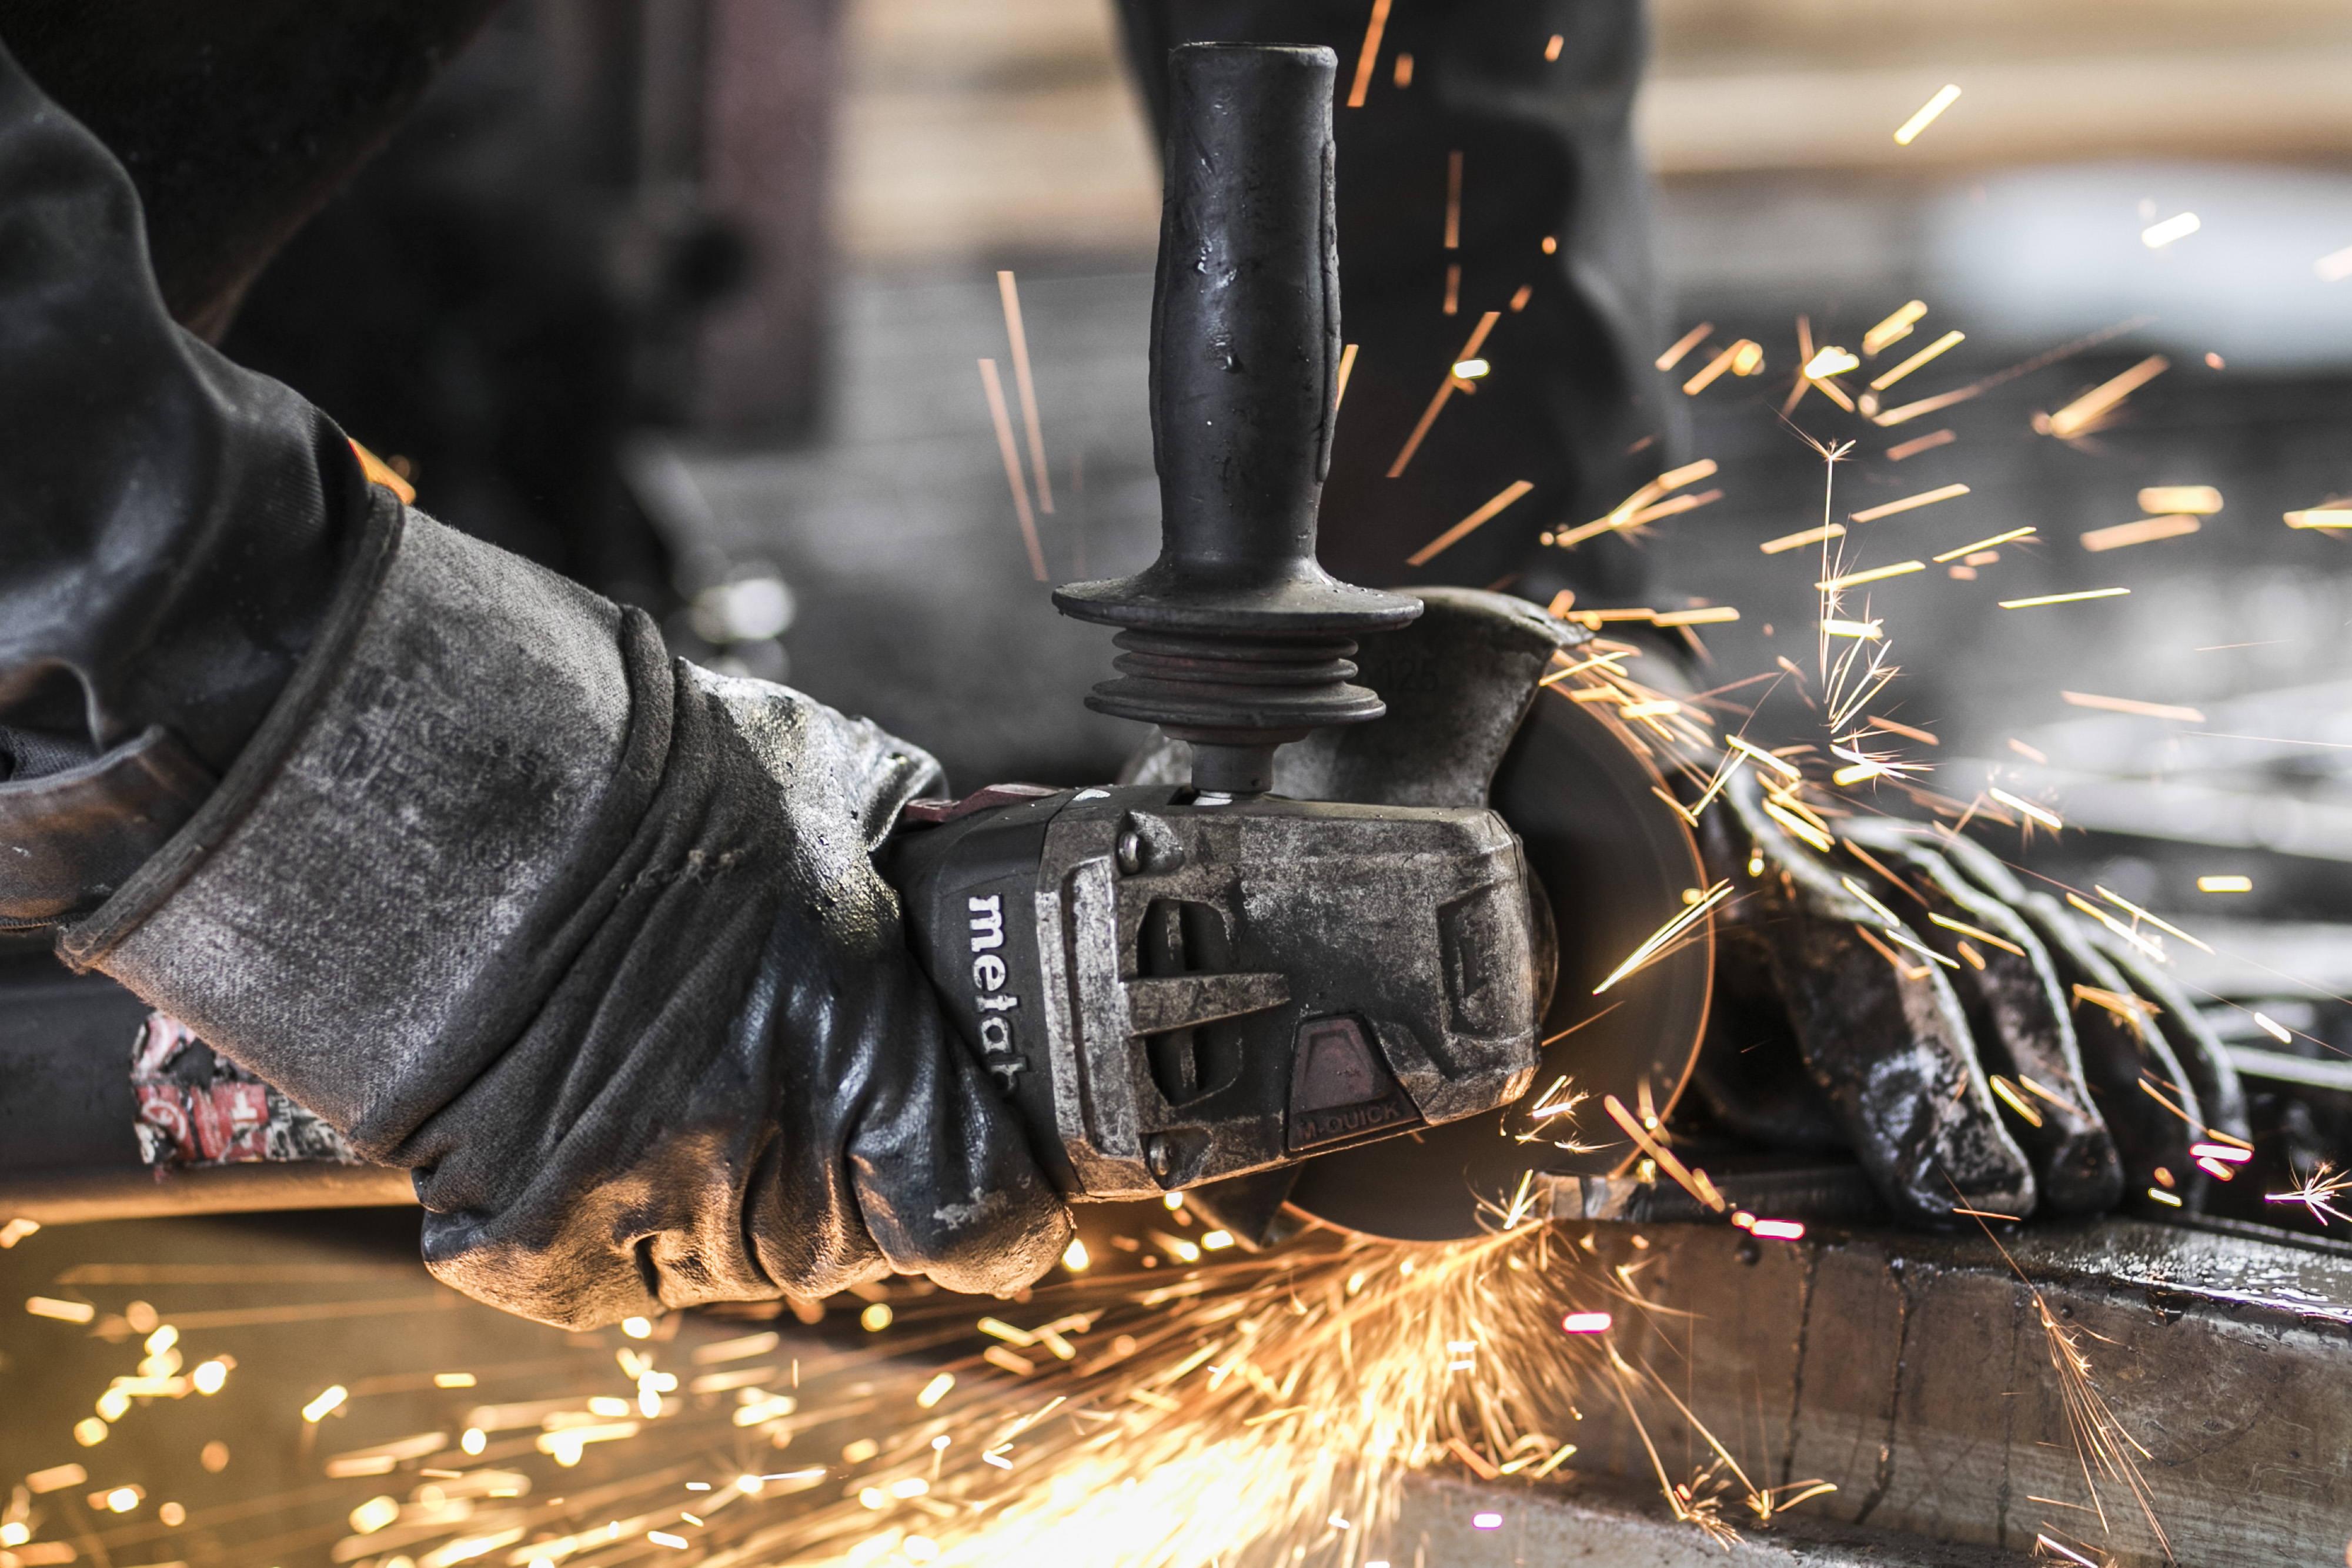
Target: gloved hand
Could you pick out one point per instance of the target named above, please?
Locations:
(591, 941)
(594, 942)
(1817, 1040)
(1872, 995)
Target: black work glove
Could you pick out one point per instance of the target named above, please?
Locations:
(1883, 992)
(2134, 1029)
(1872, 995)
(593, 941)
(1820, 1040)
(447, 848)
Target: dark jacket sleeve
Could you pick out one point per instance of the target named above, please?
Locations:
(171, 526)
(594, 941)
(171, 530)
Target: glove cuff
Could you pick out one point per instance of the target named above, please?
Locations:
(85, 945)
(412, 805)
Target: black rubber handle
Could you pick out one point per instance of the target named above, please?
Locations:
(1246, 317)
(1236, 639)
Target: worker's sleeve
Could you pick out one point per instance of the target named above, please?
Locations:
(593, 941)
(150, 492)
(172, 528)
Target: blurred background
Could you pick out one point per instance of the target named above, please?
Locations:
(684, 298)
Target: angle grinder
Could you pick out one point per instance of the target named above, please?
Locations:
(1306, 960)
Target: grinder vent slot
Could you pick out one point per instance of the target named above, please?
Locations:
(1183, 937)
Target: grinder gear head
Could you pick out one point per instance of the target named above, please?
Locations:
(1173, 991)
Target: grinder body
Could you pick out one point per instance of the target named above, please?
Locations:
(1174, 993)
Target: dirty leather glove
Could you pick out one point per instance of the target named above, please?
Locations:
(2134, 1031)
(593, 941)
(1874, 985)
(448, 848)
(1822, 1042)
(1867, 996)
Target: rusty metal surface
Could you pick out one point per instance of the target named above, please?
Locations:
(1914, 1373)
(1600, 1525)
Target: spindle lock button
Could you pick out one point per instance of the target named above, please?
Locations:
(1338, 1086)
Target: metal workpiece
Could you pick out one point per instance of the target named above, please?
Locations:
(82, 1195)
(1235, 639)
(1814, 1186)
(69, 1149)
(1928, 1379)
(1470, 1524)
(1222, 988)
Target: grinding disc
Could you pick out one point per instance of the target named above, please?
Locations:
(1615, 862)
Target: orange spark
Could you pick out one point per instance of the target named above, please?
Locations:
(2085, 414)
(2131, 705)
(1908, 503)
(1462, 529)
(1805, 537)
(1437, 403)
(1011, 456)
(2063, 597)
(1947, 341)
(2146, 530)
(1371, 54)
(1918, 443)
(1892, 331)
(1010, 293)
(1684, 345)
(1981, 545)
